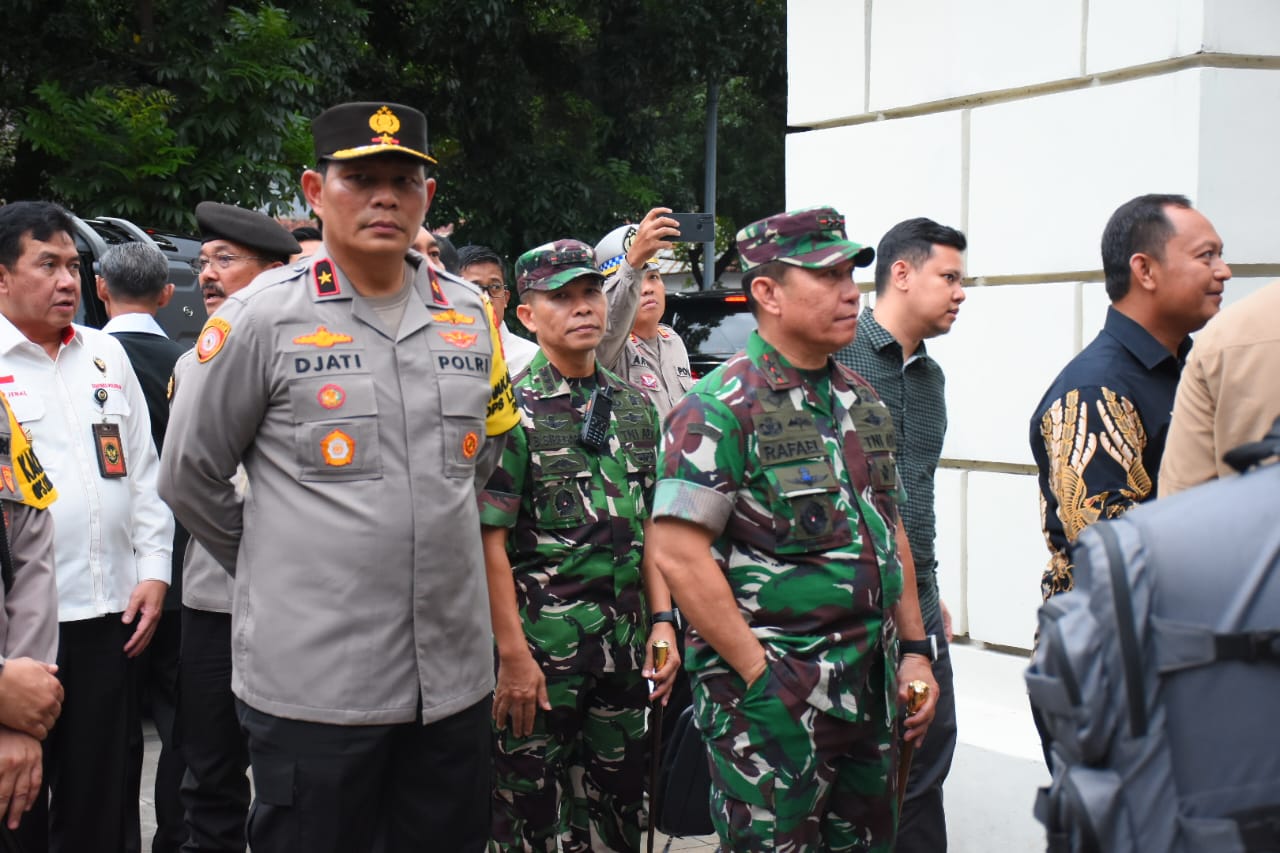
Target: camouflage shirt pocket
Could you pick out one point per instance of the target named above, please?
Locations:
(561, 488)
(807, 516)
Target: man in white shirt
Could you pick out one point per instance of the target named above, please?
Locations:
(73, 391)
(482, 266)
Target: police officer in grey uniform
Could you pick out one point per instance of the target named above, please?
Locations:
(646, 353)
(30, 694)
(237, 246)
(362, 390)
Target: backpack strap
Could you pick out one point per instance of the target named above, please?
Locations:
(1126, 629)
(1249, 646)
(1181, 646)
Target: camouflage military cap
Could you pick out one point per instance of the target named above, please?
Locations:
(363, 129)
(553, 265)
(812, 238)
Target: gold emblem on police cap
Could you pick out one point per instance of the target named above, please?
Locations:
(384, 123)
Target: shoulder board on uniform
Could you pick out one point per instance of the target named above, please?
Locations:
(268, 278)
(665, 331)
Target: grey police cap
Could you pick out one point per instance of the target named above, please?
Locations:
(246, 228)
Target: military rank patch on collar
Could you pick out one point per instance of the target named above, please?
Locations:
(212, 337)
(325, 279)
(322, 338)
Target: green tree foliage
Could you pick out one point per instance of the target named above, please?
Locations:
(549, 117)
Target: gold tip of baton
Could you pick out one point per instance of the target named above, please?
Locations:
(917, 693)
(660, 648)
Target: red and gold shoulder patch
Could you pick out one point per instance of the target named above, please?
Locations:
(337, 448)
(325, 278)
(322, 337)
(461, 340)
(437, 292)
(212, 337)
(453, 317)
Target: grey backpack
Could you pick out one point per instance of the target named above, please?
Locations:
(1158, 675)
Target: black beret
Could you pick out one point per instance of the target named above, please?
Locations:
(365, 128)
(246, 228)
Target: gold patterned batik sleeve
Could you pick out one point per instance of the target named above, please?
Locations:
(1088, 485)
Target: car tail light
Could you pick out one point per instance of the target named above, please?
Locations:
(736, 297)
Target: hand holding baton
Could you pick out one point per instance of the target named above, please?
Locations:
(660, 649)
(917, 694)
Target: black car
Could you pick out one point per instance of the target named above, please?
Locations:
(714, 325)
(183, 317)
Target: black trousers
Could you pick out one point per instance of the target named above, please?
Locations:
(157, 680)
(370, 789)
(922, 826)
(215, 789)
(91, 769)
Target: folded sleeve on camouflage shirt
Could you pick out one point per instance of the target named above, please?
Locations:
(499, 509)
(687, 501)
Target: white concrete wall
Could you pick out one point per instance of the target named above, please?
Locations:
(1026, 123)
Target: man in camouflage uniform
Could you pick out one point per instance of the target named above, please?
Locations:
(571, 599)
(776, 526)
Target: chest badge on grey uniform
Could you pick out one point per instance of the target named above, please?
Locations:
(331, 396)
(323, 338)
(461, 340)
(337, 448)
(453, 317)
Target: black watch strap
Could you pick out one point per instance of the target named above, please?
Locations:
(662, 616)
(927, 647)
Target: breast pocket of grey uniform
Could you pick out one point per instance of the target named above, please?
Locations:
(463, 378)
(336, 427)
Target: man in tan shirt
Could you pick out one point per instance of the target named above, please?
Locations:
(1229, 393)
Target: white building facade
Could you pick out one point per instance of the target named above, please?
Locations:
(1025, 123)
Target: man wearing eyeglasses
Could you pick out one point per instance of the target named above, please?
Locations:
(482, 266)
(238, 245)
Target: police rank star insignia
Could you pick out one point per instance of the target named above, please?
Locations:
(212, 337)
(325, 279)
(337, 448)
(322, 337)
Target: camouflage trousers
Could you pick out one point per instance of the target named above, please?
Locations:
(785, 776)
(580, 776)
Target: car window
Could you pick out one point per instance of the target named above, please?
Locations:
(709, 329)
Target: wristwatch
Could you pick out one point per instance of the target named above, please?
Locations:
(662, 616)
(927, 647)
